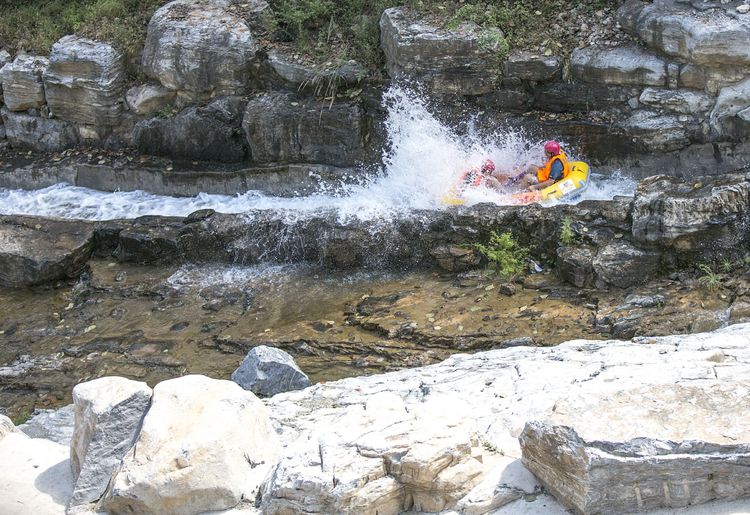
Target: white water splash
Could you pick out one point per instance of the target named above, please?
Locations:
(423, 160)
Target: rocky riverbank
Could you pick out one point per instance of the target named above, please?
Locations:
(471, 434)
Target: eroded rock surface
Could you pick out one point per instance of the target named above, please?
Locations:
(84, 82)
(108, 416)
(35, 251)
(25, 131)
(22, 82)
(205, 445)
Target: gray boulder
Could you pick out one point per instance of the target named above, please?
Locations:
(532, 66)
(37, 133)
(148, 98)
(462, 61)
(605, 452)
(302, 77)
(211, 133)
(575, 265)
(677, 101)
(621, 264)
(282, 128)
(726, 119)
(709, 214)
(36, 251)
(199, 49)
(84, 82)
(710, 37)
(562, 97)
(108, 416)
(22, 82)
(658, 132)
(267, 371)
(51, 424)
(625, 66)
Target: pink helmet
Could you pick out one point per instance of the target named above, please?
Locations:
(553, 147)
(488, 166)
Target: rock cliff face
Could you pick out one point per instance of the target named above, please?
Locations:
(671, 96)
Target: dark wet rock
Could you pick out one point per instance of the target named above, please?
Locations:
(37, 251)
(267, 371)
(283, 128)
(152, 244)
(199, 49)
(624, 66)
(560, 97)
(621, 264)
(51, 424)
(210, 133)
(148, 99)
(576, 265)
(84, 82)
(642, 301)
(531, 66)
(454, 258)
(22, 82)
(25, 131)
(449, 61)
(507, 289)
(707, 215)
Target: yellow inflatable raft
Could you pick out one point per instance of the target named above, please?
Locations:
(569, 188)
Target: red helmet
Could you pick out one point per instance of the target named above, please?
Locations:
(488, 166)
(553, 147)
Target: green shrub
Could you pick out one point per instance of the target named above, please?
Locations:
(504, 254)
(567, 235)
(710, 279)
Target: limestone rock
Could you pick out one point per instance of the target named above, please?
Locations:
(4, 59)
(707, 37)
(621, 264)
(625, 66)
(51, 424)
(725, 119)
(533, 67)
(6, 426)
(562, 97)
(205, 445)
(281, 128)
(84, 82)
(449, 61)
(677, 101)
(658, 132)
(22, 82)
(108, 415)
(267, 371)
(25, 131)
(210, 133)
(709, 214)
(199, 48)
(300, 77)
(36, 251)
(660, 458)
(455, 258)
(148, 98)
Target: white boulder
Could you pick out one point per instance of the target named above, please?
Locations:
(108, 415)
(205, 445)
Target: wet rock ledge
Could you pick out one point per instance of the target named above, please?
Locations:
(623, 242)
(471, 434)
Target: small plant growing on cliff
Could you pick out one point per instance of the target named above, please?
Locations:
(567, 235)
(710, 279)
(504, 254)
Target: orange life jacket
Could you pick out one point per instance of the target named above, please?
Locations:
(543, 173)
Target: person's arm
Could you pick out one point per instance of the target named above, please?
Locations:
(542, 185)
(555, 174)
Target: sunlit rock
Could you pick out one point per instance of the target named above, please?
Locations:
(624, 66)
(22, 82)
(108, 415)
(84, 82)
(267, 371)
(51, 424)
(448, 60)
(727, 119)
(199, 49)
(677, 101)
(6, 426)
(148, 98)
(205, 445)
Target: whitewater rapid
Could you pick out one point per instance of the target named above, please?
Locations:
(422, 160)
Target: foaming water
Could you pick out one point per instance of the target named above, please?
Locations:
(423, 160)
